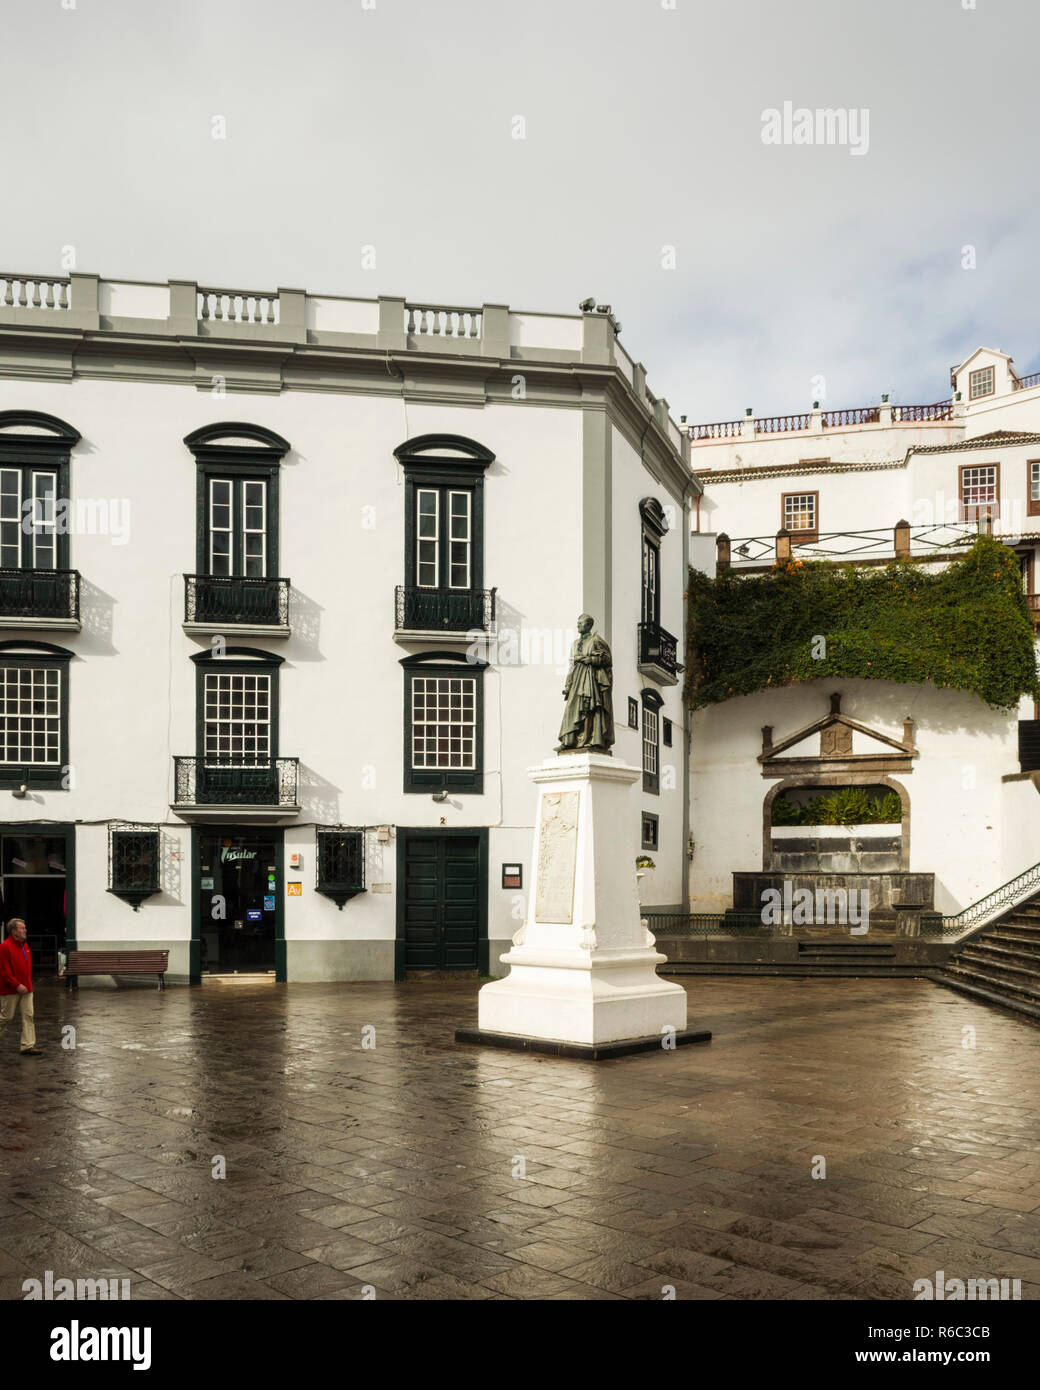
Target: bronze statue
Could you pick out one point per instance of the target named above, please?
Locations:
(588, 716)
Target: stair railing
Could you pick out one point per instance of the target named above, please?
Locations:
(1001, 900)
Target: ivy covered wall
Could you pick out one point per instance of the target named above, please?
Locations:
(966, 627)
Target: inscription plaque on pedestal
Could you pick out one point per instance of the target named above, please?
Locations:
(557, 848)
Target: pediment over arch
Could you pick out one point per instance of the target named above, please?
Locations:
(837, 743)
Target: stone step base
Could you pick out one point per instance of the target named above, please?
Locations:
(992, 996)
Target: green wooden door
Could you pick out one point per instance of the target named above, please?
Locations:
(442, 901)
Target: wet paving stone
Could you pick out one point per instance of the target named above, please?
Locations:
(835, 1140)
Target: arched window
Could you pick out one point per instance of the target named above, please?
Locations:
(443, 587)
(35, 579)
(236, 561)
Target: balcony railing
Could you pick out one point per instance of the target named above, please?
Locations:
(222, 600)
(444, 610)
(657, 648)
(1025, 382)
(50, 594)
(212, 782)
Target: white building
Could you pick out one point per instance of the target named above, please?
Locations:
(287, 589)
(866, 485)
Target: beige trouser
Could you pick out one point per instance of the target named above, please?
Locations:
(9, 1003)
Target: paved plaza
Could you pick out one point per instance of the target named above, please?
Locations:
(425, 1169)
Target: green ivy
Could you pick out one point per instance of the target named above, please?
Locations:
(966, 627)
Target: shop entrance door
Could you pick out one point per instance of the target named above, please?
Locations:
(34, 868)
(238, 895)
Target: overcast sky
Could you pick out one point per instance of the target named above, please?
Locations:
(391, 123)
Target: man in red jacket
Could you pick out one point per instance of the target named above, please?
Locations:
(16, 991)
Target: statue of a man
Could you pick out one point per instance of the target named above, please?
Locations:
(588, 716)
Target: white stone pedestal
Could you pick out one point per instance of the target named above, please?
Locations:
(583, 968)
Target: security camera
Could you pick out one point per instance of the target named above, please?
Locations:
(440, 796)
(21, 792)
(602, 308)
(587, 305)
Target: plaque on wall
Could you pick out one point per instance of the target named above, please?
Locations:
(557, 850)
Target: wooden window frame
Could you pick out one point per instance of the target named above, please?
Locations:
(21, 655)
(974, 395)
(962, 507)
(443, 664)
(666, 732)
(651, 702)
(652, 818)
(801, 537)
(633, 713)
(1032, 507)
(237, 661)
(258, 459)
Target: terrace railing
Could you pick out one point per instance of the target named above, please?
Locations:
(32, 292)
(1024, 383)
(852, 416)
(898, 542)
(237, 306)
(442, 321)
(918, 414)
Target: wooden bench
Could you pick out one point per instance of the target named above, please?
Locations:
(116, 963)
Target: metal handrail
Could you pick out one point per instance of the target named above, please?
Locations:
(1007, 896)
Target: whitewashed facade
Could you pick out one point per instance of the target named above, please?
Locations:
(836, 485)
(276, 499)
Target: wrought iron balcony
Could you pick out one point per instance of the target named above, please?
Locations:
(657, 648)
(50, 596)
(211, 782)
(225, 601)
(444, 610)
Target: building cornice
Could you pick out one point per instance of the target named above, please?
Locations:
(267, 367)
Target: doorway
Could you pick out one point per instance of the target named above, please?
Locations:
(36, 866)
(441, 901)
(237, 873)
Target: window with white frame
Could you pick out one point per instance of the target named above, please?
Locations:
(443, 549)
(981, 383)
(651, 750)
(1033, 479)
(800, 511)
(979, 491)
(30, 716)
(237, 719)
(444, 722)
(28, 530)
(237, 527)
